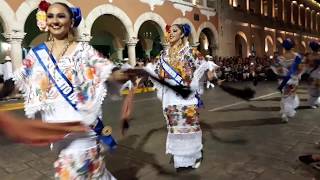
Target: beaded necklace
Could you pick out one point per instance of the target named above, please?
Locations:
(174, 55)
(45, 83)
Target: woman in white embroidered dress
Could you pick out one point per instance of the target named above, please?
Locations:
(289, 98)
(313, 68)
(80, 155)
(184, 139)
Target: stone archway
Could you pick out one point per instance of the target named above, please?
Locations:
(268, 45)
(279, 47)
(241, 44)
(193, 37)
(150, 16)
(208, 31)
(7, 16)
(107, 9)
(109, 36)
(33, 35)
(206, 42)
(150, 37)
(212, 28)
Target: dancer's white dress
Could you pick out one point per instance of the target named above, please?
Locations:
(80, 155)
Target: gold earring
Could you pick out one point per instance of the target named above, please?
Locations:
(50, 37)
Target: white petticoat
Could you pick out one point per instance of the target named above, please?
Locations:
(185, 148)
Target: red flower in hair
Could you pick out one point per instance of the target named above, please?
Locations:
(168, 28)
(44, 5)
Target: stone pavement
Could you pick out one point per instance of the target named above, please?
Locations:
(242, 141)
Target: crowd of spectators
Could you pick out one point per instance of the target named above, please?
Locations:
(233, 69)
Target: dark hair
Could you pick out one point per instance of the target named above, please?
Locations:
(184, 28)
(288, 44)
(67, 8)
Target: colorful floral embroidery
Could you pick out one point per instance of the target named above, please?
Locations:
(186, 64)
(182, 119)
(87, 165)
(85, 69)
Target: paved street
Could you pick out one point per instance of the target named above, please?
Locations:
(242, 141)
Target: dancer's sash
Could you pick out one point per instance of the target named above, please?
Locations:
(65, 88)
(171, 71)
(293, 69)
(177, 77)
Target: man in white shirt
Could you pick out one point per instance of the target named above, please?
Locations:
(212, 68)
(126, 66)
(8, 85)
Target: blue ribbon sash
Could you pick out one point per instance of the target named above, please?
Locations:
(293, 69)
(177, 77)
(171, 71)
(66, 89)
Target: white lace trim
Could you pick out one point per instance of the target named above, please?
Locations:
(19, 82)
(186, 161)
(89, 113)
(197, 75)
(184, 144)
(289, 104)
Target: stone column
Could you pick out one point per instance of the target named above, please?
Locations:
(204, 3)
(120, 53)
(299, 15)
(165, 45)
(14, 38)
(288, 11)
(317, 22)
(270, 8)
(84, 37)
(258, 7)
(307, 24)
(280, 9)
(314, 20)
(132, 42)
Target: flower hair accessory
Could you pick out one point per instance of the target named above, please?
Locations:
(77, 17)
(41, 15)
(186, 29)
(167, 33)
(168, 28)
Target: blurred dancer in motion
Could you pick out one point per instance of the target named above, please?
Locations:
(36, 133)
(64, 80)
(313, 69)
(288, 67)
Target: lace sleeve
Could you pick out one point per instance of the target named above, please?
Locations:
(201, 66)
(101, 67)
(22, 75)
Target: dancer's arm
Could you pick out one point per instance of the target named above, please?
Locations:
(35, 132)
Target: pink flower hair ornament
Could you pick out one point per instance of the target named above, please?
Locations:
(41, 15)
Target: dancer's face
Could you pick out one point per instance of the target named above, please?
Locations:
(59, 21)
(175, 34)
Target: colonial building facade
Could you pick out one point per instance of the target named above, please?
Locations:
(118, 27)
(259, 26)
(135, 28)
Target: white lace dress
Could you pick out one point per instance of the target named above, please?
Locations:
(314, 87)
(289, 98)
(184, 139)
(80, 155)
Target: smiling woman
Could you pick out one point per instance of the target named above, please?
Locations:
(64, 81)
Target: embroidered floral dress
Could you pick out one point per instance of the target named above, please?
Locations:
(80, 156)
(184, 140)
(314, 83)
(289, 99)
